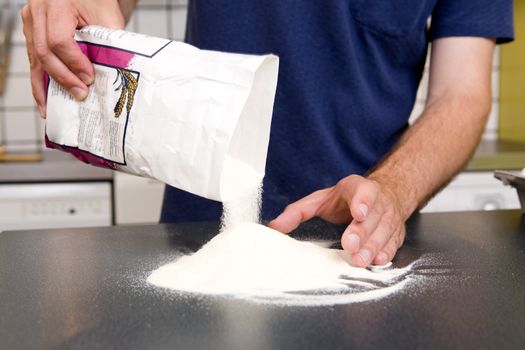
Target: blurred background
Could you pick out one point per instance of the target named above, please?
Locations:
(41, 188)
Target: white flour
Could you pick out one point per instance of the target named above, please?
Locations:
(241, 187)
(249, 260)
(253, 260)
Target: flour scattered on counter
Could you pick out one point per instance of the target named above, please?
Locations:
(252, 261)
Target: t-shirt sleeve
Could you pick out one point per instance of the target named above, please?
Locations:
(480, 18)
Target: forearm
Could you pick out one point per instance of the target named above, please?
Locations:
(127, 7)
(434, 149)
(442, 140)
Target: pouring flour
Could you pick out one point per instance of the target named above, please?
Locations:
(200, 121)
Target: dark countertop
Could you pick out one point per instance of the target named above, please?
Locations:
(85, 289)
(55, 166)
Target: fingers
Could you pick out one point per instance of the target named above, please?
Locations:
(365, 211)
(61, 42)
(49, 60)
(357, 233)
(38, 88)
(387, 253)
(298, 212)
(389, 250)
(377, 229)
(369, 251)
(53, 52)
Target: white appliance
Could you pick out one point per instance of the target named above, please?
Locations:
(55, 205)
(138, 200)
(474, 191)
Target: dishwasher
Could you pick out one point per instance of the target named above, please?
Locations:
(55, 205)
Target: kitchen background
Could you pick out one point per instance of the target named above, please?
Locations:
(58, 191)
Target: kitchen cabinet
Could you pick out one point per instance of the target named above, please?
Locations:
(137, 199)
(474, 191)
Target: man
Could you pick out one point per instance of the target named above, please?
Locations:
(340, 146)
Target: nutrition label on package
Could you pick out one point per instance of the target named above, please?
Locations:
(104, 114)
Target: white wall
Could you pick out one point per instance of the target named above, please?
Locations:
(491, 130)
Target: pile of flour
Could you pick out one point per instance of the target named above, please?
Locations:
(252, 259)
(247, 259)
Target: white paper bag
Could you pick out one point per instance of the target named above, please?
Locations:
(166, 110)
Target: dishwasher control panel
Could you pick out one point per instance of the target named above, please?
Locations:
(55, 205)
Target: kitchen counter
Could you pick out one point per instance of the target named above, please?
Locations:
(55, 166)
(492, 155)
(86, 289)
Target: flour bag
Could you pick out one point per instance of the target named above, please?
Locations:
(165, 109)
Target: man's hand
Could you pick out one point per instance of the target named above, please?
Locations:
(376, 229)
(49, 28)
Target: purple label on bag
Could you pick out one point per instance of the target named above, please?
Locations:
(105, 59)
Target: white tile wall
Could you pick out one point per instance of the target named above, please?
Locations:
(19, 121)
(21, 129)
(19, 63)
(18, 92)
(491, 129)
(178, 22)
(153, 22)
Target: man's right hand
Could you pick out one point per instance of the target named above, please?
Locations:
(49, 28)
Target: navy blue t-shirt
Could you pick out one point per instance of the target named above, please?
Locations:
(348, 77)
